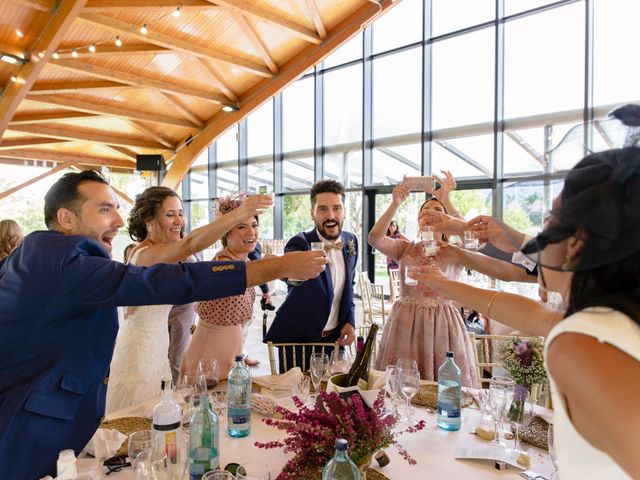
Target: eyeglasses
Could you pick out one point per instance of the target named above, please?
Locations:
(115, 464)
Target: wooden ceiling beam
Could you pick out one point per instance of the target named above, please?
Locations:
(29, 118)
(183, 109)
(41, 5)
(110, 110)
(29, 142)
(153, 134)
(113, 51)
(317, 18)
(130, 154)
(31, 181)
(73, 87)
(217, 80)
(83, 136)
(12, 49)
(176, 44)
(61, 157)
(48, 42)
(139, 81)
(245, 8)
(106, 6)
(289, 72)
(260, 47)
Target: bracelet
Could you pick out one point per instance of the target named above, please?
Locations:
(491, 302)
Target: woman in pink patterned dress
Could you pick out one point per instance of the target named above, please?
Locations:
(421, 326)
(219, 332)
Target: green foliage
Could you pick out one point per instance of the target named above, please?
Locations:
(296, 214)
(517, 218)
(476, 201)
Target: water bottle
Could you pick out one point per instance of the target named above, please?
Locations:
(66, 465)
(239, 400)
(167, 423)
(340, 467)
(204, 454)
(449, 394)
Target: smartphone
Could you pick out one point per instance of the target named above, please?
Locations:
(419, 183)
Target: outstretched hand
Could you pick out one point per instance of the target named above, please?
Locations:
(430, 279)
(255, 204)
(304, 265)
(400, 193)
(497, 233)
(447, 185)
(441, 222)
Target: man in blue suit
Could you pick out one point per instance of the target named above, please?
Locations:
(322, 309)
(58, 323)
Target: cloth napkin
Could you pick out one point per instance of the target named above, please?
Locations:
(279, 385)
(105, 443)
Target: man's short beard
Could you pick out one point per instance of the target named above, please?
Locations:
(320, 229)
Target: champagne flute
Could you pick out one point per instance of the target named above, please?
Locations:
(516, 416)
(391, 385)
(497, 400)
(318, 363)
(552, 452)
(409, 381)
(509, 384)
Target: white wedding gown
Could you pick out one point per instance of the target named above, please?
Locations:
(140, 359)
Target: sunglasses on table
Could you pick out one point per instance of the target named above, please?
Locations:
(117, 463)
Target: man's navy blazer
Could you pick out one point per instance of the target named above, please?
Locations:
(58, 326)
(305, 311)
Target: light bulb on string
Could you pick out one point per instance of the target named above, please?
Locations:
(176, 12)
(41, 54)
(19, 33)
(92, 48)
(14, 78)
(118, 41)
(74, 53)
(56, 55)
(144, 30)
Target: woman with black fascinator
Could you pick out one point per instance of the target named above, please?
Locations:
(589, 251)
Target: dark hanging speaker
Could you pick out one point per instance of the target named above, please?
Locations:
(150, 162)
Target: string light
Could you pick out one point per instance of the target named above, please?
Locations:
(74, 53)
(19, 33)
(118, 41)
(41, 54)
(14, 78)
(143, 29)
(92, 48)
(176, 12)
(56, 55)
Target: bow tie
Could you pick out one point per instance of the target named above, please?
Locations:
(337, 246)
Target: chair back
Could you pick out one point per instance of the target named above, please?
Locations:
(395, 279)
(304, 349)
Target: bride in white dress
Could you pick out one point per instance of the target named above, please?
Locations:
(140, 359)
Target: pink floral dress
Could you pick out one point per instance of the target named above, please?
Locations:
(421, 326)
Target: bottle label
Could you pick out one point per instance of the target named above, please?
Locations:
(239, 416)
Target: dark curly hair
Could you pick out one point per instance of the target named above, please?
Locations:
(146, 207)
(326, 186)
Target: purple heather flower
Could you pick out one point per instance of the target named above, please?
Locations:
(523, 351)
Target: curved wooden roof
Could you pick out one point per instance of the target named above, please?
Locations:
(74, 106)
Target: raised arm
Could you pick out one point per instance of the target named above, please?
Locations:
(202, 237)
(498, 233)
(379, 230)
(493, 267)
(301, 265)
(447, 185)
(503, 307)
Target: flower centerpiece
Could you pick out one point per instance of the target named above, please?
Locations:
(524, 362)
(312, 432)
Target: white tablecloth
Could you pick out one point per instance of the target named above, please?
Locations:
(433, 448)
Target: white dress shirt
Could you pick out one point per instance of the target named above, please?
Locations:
(337, 268)
(520, 258)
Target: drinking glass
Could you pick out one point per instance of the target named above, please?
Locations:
(318, 364)
(211, 373)
(139, 442)
(483, 400)
(391, 385)
(510, 385)
(253, 471)
(338, 362)
(300, 389)
(516, 416)
(218, 475)
(407, 279)
(409, 381)
(471, 241)
(317, 245)
(407, 364)
(552, 452)
(429, 243)
(497, 400)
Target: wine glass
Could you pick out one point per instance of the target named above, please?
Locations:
(318, 363)
(391, 385)
(253, 471)
(409, 381)
(407, 364)
(552, 452)
(300, 389)
(497, 400)
(338, 362)
(218, 475)
(516, 416)
(211, 372)
(139, 442)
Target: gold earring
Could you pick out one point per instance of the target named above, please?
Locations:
(568, 263)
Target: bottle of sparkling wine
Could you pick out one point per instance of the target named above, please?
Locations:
(359, 372)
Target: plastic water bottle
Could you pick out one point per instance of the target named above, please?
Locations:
(239, 400)
(66, 465)
(340, 467)
(167, 423)
(204, 453)
(449, 394)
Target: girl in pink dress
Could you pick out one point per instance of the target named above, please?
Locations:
(421, 326)
(219, 332)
